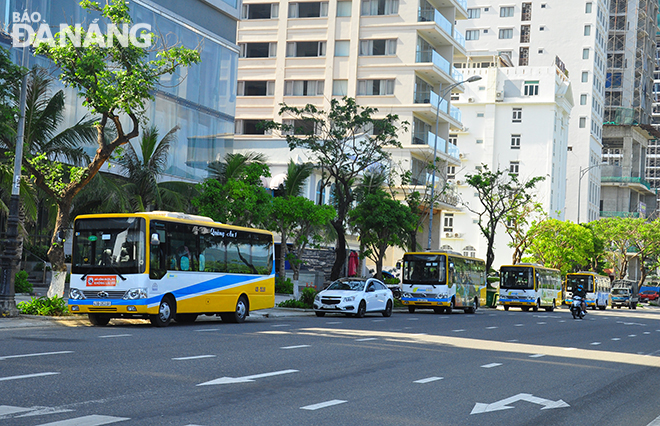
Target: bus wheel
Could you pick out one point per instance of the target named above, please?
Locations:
(99, 320)
(166, 311)
(239, 314)
(472, 309)
(536, 307)
(450, 308)
(551, 308)
(185, 318)
(438, 310)
(525, 308)
(506, 307)
(411, 309)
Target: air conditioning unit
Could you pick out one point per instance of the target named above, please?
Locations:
(499, 96)
(457, 235)
(447, 234)
(462, 155)
(471, 100)
(459, 182)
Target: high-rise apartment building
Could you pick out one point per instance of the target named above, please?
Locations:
(394, 55)
(573, 35)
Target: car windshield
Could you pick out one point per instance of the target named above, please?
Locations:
(356, 285)
(620, 291)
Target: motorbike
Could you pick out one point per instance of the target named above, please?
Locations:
(576, 308)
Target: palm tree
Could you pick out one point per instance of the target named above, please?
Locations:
(296, 175)
(233, 166)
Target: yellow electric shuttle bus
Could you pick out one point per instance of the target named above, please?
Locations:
(598, 288)
(443, 281)
(528, 285)
(165, 266)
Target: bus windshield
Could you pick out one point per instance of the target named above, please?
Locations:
(424, 269)
(109, 246)
(517, 278)
(587, 282)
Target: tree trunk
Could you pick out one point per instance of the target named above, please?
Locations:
(56, 251)
(284, 251)
(340, 251)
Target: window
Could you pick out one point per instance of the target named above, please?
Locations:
(302, 49)
(451, 172)
(585, 53)
(514, 167)
(303, 88)
(453, 139)
(299, 127)
(474, 13)
(344, 8)
(524, 33)
(340, 88)
(587, 30)
(377, 47)
(526, 12)
(309, 9)
(583, 122)
(480, 115)
(480, 141)
(583, 99)
(517, 115)
(256, 88)
(250, 127)
(523, 58)
(472, 35)
(342, 47)
(257, 50)
(470, 251)
(531, 88)
(587, 8)
(541, 28)
(506, 33)
(380, 7)
(375, 87)
(585, 76)
(448, 222)
(541, 51)
(506, 12)
(260, 11)
(515, 141)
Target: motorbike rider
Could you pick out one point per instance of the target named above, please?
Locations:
(581, 291)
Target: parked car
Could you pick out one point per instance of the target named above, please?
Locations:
(648, 295)
(354, 296)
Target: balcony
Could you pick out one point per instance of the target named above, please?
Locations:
(436, 59)
(619, 214)
(443, 148)
(626, 180)
(448, 33)
(451, 115)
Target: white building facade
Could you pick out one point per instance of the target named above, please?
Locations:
(516, 119)
(573, 35)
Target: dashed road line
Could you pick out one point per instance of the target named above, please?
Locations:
(491, 328)
(323, 404)
(93, 420)
(536, 355)
(281, 325)
(459, 330)
(518, 325)
(632, 335)
(333, 322)
(28, 376)
(185, 358)
(491, 365)
(109, 336)
(37, 354)
(595, 343)
(366, 339)
(428, 380)
(616, 338)
(207, 329)
(295, 347)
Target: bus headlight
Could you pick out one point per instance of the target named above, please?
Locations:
(136, 293)
(407, 295)
(443, 295)
(76, 294)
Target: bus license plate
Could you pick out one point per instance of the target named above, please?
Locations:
(103, 303)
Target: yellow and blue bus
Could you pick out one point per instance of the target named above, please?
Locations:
(598, 288)
(165, 266)
(443, 281)
(528, 285)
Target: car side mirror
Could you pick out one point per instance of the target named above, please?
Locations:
(370, 290)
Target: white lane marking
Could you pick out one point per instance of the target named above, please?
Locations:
(114, 335)
(459, 330)
(518, 325)
(647, 332)
(185, 358)
(632, 335)
(93, 420)
(655, 422)
(512, 341)
(8, 409)
(536, 355)
(491, 328)
(207, 329)
(333, 322)
(503, 404)
(245, 379)
(541, 322)
(428, 380)
(491, 365)
(27, 376)
(295, 347)
(37, 354)
(595, 343)
(413, 319)
(323, 404)
(366, 339)
(281, 325)
(615, 338)
(378, 320)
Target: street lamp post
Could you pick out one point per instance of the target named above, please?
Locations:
(435, 150)
(581, 175)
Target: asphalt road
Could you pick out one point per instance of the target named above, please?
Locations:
(494, 367)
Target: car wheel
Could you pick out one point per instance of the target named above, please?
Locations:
(166, 312)
(319, 314)
(186, 318)
(388, 309)
(99, 320)
(361, 310)
(411, 309)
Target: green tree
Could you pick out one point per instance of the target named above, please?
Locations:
(500, 192)
(518, 223)
(382, 223)
(114, 82)
(566, 246)
(234, 193)
(342, 142)
(616, 234)
(645, 238)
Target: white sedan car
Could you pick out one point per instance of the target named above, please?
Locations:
(354, 296)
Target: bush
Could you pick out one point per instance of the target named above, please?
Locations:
(21, 283)
(306, 300)
(392, 281)
(55, 306)
(283, 285)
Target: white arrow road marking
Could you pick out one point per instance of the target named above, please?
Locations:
(323, 404)
(502, 405)
(93, 420)
(27, 376)
(655, 422)
(8, 409)
(39, 354)
(428, 380)
(246, 379)
(494, 364)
